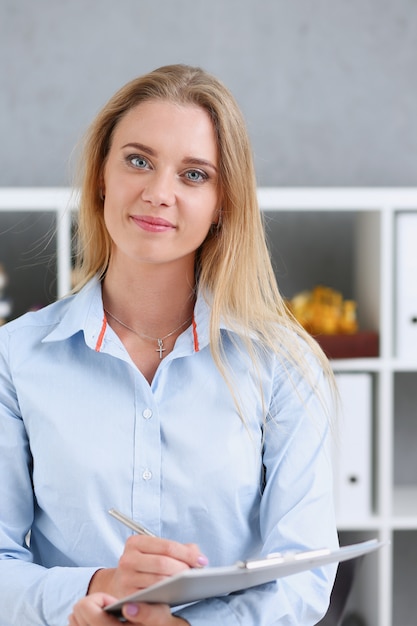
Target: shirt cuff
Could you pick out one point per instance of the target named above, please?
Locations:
(63, 587)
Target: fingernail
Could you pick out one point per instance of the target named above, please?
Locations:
(131, 609)
(202, 560)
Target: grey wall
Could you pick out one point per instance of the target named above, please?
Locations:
(328, 87)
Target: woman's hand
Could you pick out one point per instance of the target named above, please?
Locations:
(89, 612)
(144, 562)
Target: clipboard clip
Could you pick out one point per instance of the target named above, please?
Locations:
(277, 558)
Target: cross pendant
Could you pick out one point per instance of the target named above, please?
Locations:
(160, 348)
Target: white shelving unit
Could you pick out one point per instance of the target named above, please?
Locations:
(344, 237)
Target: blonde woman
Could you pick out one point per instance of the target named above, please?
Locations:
(171, 384)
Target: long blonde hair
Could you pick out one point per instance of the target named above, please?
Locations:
(233, 264)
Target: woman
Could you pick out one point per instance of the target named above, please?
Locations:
(171, 385)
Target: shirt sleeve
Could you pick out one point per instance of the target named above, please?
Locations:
(296, 511)
(33, 595)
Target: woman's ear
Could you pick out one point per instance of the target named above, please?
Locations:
(216, 225)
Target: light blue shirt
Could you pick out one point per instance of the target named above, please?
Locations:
(82, 431)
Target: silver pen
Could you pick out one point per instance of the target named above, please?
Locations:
(138, 528)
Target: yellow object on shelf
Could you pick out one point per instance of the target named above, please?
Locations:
(323, 311)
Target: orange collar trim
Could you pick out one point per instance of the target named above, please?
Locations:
(101, 335)
(195, 336)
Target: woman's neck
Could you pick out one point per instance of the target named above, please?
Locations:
(155, 298)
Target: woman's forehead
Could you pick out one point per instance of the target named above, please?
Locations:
(161, 123)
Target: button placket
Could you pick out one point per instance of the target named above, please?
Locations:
(147, 455)
(147, 474)
(147, 413)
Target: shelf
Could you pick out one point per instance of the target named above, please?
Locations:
(337, 199)
(357, 365)
(399, 365)
(373, 365)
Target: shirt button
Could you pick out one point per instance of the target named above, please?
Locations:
(147, 413)
(147, 475)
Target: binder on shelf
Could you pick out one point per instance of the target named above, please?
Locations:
(352, 449)
(406, 285)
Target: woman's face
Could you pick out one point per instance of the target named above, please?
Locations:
(161, 183)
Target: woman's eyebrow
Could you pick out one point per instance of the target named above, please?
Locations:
(197, 161)
(141, 147)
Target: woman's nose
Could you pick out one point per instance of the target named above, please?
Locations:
(159, 189)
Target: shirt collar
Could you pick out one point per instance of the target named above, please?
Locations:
(85, 313)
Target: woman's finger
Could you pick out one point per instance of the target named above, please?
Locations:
(187, 553)
(151, 615)
(89, 611)
(148, 560)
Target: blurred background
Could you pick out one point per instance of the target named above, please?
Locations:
(328, 87)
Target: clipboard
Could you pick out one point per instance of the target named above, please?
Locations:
(192, 585)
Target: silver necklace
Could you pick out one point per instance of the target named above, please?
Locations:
(159, 340)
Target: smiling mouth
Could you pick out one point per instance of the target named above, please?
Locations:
(152, 224)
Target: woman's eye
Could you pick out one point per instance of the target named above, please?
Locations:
(196, 176)
(138, 161)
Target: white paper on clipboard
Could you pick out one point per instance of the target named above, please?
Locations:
(197, 584)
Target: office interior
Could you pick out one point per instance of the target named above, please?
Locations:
(329, 94)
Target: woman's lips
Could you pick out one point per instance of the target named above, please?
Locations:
(152, 224)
